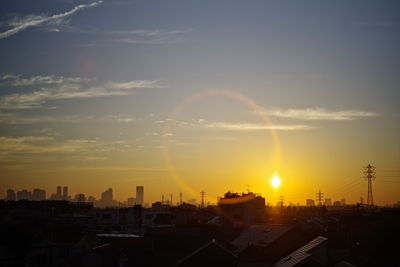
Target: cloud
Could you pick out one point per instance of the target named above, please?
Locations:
(253, 126)
(138, 37)
(320, 114)
(20, 24)
(66, 88)
(18, 119)
(17, 80)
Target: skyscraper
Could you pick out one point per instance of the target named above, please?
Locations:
(107, 198)
(139, 195)
(58, 194)
(11, 196)
(24, 195)
(65, 193)
(38, 194)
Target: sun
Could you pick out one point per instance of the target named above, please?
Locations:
(276, 182)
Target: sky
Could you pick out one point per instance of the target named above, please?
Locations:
(189, 96)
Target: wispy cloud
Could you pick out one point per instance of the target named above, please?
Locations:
(137, 36)
(253, 126)
(320, 114)
(66, 88)
(21, 23)
(19, 119)
(18, 80)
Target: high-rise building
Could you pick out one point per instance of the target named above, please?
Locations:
(328, 202)
(38, 194)
(11, 196)
(107, 198)
(58, 194)
(24, 195)
(310, 202)
(65, 193)
(139, 195)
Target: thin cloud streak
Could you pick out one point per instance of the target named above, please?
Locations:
(320, 114)
(254, 126)
(17, 80)
(35, 20)
(68, 88)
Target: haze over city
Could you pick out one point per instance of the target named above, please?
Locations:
(191, 96)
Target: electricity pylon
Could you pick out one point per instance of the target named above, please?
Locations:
(320, 197)
(369, 174)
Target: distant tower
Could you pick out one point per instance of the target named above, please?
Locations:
(11, 196)
(320, 197)
(139, 195)
(202, 194)
(171, 200)
(180, 198)
(59, 196)
(65, 193)
(369, 174)
(162, 199)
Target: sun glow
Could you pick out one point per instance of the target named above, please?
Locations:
(276, 182)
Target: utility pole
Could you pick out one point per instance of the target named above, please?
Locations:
(320, 198)
(369, 174)
(162, 199)
(180, 198)
(248, 188)
(202, 194)
(171, 201)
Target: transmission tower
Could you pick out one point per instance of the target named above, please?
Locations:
(202, 194)
(320, 197)
(369, 174)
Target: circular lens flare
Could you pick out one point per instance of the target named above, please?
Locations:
(276, 182)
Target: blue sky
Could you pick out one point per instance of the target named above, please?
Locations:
(91, 84)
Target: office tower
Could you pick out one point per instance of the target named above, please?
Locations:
(310, 203)
(107, 197)
(139, 195)
(58, 194)
(11, 196)
(328, 202)
(24, 195)
(38, 194)
(65, 193)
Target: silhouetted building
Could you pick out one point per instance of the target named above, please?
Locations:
(59, 196)
(91, 199)
(65, 193)
(38, 194)
(107, 198)
(11, 196)
(139, 195)
(131, 201)
(310, 202)
(24, 195)
(80, 198)
(244, 208)
(328, 202)
(343, 201)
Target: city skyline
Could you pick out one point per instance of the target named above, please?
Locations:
(220, 96)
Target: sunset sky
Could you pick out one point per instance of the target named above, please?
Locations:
(185, 96)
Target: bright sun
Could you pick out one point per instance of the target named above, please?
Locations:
(276, 181)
